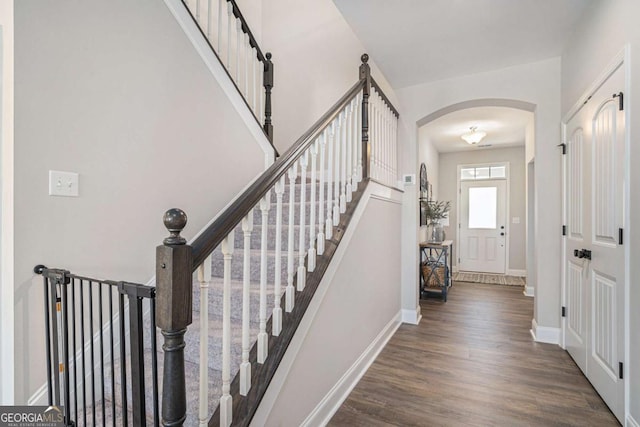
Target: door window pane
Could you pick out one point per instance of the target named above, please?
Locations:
(468, 173)
(498, 172)
(482, 173)
(483, 207)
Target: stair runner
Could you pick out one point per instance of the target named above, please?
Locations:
(192, 337)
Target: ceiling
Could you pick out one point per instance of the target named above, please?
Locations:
(418, 41)
(505, 127)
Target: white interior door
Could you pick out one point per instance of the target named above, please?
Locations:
(483, 226)
(594, 288)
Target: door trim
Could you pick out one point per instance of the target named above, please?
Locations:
(456, 254)
(621, 59)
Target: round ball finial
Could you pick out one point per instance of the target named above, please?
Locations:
(268, 55)
(175, 220)
(364, 58)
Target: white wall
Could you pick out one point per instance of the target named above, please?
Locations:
(427, 154)
(359, 302)
(517, 195)
(316, 58)
(537, 83)
(602, 33)
(116, 92)
(6, 203)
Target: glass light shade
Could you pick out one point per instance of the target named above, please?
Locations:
(474, 136)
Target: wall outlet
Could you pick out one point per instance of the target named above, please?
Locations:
(63, 184)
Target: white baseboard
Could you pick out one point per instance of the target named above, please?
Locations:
(631, 422)
(528, 291)
(332, 401)
(518, 273)
(39, 398)
(411, 317)
(545, 334)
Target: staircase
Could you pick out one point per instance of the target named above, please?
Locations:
(259, 263)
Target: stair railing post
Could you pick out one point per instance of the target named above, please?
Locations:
(365, 73)
(174, 259)
(268, 85)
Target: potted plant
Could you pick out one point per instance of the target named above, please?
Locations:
(435, 212)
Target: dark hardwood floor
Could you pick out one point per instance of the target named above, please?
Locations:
(472, 361)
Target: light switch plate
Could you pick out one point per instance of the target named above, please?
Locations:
(515, 220)
(63, 184)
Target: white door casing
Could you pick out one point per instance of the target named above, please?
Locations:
(482, 226)
(594, 192)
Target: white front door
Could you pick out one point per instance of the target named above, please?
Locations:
(594, 282)
(483, 226)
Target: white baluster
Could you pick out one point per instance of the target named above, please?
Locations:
(323, 143)
(238, 38)
(246, 62)
(230, 21)
(220, 14)
(263, 337)
(343, 160)
(328, 231)
(276, 319)
(348, 143)
(226, 414)
(302, 272)
(311, 259)
(209, 19)
(245, 366)
(291, 292)
(359, 143)
(198, 12)
(337, 142)
(204, 278)
(254, 83)
(372, 122)
(261, 91)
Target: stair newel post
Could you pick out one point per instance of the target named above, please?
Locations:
(365, 73)
(302, 271)
(263, 337)
(268, 85)
(245, 366)
(277, 280)
(290, 291)
(311, 260)
(321, 146)
(174, 262)
(204, 278)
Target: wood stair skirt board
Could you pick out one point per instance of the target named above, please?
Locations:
(544, 334)
(489, 279)
(332, 401)
(244, 407)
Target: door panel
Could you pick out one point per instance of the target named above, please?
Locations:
(483, 226)
(594, 324)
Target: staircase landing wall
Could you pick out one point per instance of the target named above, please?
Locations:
(354, 312)
(114, 91)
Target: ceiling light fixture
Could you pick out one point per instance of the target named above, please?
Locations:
(474, 135)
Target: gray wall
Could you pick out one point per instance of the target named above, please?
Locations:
(112, 90)
(361, 300)
(447, 190)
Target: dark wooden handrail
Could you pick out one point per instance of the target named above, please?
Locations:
(245, 28)
(384, 97)
(215, 233)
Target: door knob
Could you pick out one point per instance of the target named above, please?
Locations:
(582, 253)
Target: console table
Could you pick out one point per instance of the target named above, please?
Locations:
(436, 260)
